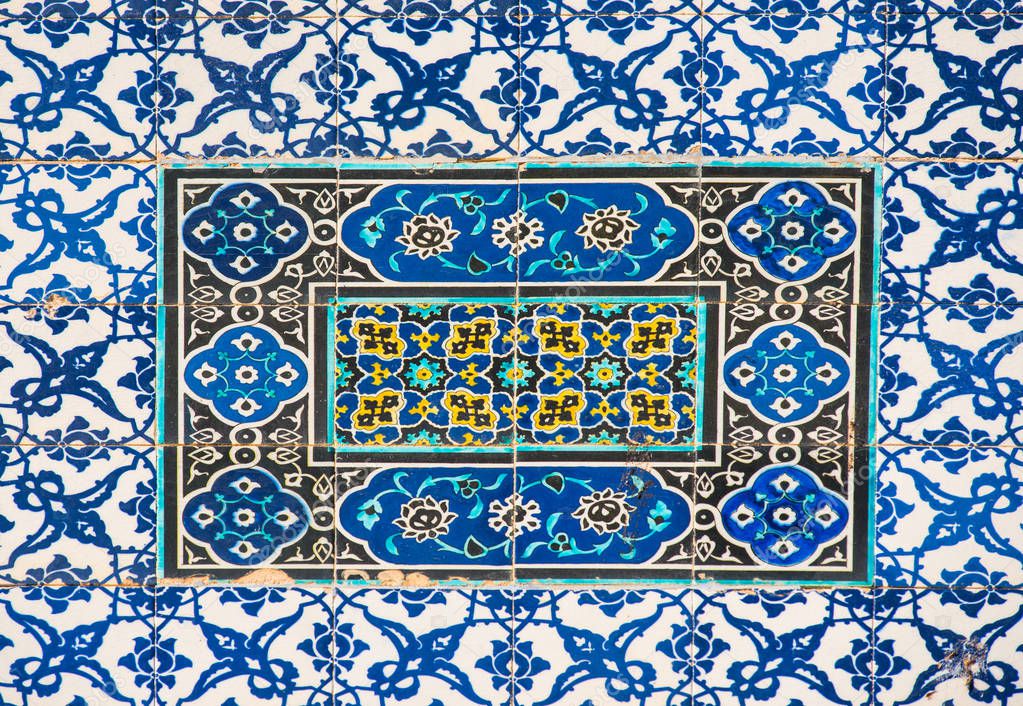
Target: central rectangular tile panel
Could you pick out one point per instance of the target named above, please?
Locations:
(499, 374)
(525, 372)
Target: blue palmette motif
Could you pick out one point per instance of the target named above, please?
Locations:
(792, 231)
(246, 374)
(469, 232)
(786, 373)
(245, 516)
(245, 231)
(469, 515)
(784, 515)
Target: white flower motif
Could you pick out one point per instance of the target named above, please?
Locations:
(794, 198)
(245, 407)
(206, 374)
(243, 263)
(785, 373)
(244, 517)
(246, 343)
(745, 373)
(245, 485)
(245, 200)
(427, 235)
(286, 518)
(605, 511)
(825, 516)
(783, 516)
(245, 231)
(785, 341)
(743, 515)
(203, 516)
(783, 547)
(792, 262)
(203, 232)
(243, 549)
(792, 230)
(784, 406)
(513, 517)
(285, 375)
(826, 373)
(285, 232)
(518, 233)
(607, 229)
(246, 375)
(751, 229)
(785, 483)
(424, 518)
(834, 231)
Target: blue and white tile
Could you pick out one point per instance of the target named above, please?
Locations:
(608, 646)
(783, 646)
(959, 7)
(75, 88)
(423, 646)
(949, 515)
(948, 647)
(77, 645)
(78, 233)
(258, 645)
(433, 88)
(953, 231)
(610, 85)
(58, 15)
(954, 85)
(255, 10)
(77, 514)
(949, 374)
(787, 13)
(424, 15)
(247, 87)
(793, 84)
(77, 374)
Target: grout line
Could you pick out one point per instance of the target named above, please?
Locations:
(706, 585)
(885, 445)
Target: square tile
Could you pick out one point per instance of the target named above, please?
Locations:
(248, 510)
(634, 646)
(77, 88)
(952, 86)
(782, 512)
(596, 84)
(76, 513)
(78, 234)
(410, 88)
(793, 84)
(430, 522)
(425, 644)
(232, 238)
(208, 656)
(956, 646)
(932, 357)
(946, 516)
(951, 232)
(777, 645)
(95, 643)
(75, 373)
(282, 101)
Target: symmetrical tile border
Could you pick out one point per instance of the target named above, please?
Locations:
(243, 295)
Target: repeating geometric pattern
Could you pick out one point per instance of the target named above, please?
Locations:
(612, 381)
(93, 91)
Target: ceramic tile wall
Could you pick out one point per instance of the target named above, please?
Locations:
(97, 96)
